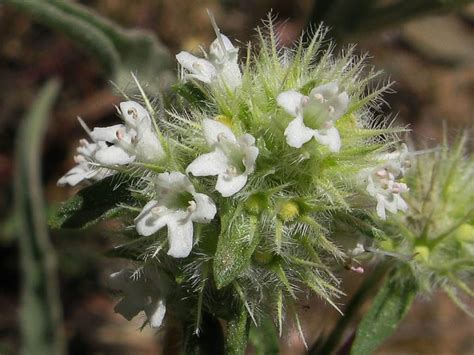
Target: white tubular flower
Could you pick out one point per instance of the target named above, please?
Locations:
(232, 159)
(177, 207)
(386, 190)
(85, 170)
(315, 115)
(135, 140)
(221, 65)
(146, 145)
(144, 293)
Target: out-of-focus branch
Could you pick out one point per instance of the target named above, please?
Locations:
(119, 51)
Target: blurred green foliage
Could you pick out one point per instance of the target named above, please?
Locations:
(41, 315)
(119, 51)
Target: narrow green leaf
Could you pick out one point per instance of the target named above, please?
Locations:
(93, 204)
(388, 309)
(237, 242)
(41, 316)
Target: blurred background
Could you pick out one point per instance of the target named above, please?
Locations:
(428, 51)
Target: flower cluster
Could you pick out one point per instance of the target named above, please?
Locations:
(248, 180)
(383, 185)
(438, 240)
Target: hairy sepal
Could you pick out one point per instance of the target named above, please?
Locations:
(238, 239)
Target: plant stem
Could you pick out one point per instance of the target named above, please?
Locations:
(330, 344)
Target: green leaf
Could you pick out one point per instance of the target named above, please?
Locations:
(387, 311)
(41, 316)
(93, 203)
(237, 242)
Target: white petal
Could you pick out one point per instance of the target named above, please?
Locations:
(290, 101)
(74, 176)
(400, 202)
(247, 140)
(231, 75)
(391, 206)
(326, 90)
(113, 155)
(205, 209)
(297, 133)
(108, 134)
(148, 148)
(251, 154)
(329, 137)
(213, 163)
(200, 69)
(180, 235)
(88, 149)
(148, 222)
(381, 206)
(371, 189)
(219, 54)
(174, 182)
(228, 185)
(214, 130)
(155, 313)
(134, 114)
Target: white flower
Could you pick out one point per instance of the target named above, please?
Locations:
(314, 115)
(144, 293)
(85, 168)
(115, 145)
(386, 190)
(177, 207)
(398, 161)
(232, 159)
(135, 140)
(221, 65)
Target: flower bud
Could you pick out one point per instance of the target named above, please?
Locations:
(465, 233)
(422, 253)
(256, 203)
(262, 257)
(289, 210)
